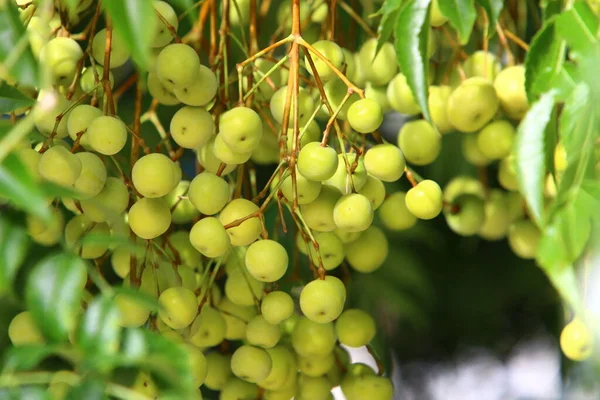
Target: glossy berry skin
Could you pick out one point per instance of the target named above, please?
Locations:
(510, 86)
(149, 218)
(438, 107)
(107, 135)
(419, 142)
(177, 66)
(368, 253)
(425, 200)
(322, 301)
(496, 139)
(401, 97)
(192, 127)
(316, 162)
(365, 115)
(577, 340)
(378, 69)
(472, 105)
(353, 212)
(119, 54)
(332, 52)
(266, 260)
(355, 328)
(465, 215)
(241, 129)
(394, 214)
(385, 161)
(523, 238)
(251, 363)
(201, 91)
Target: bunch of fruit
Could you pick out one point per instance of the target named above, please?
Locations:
(200, 244)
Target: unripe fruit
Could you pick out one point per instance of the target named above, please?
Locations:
(22, 330)
(312, 338)
(266, 260)
(61, 55)
(154, 175)
(149, 218)
(162, 33)
(75, 231)
(310, 388)
(345, 182)
(251, 364)
(306, 106)
(463, 184)
(60, 166)
(368, 252)
(322, 300)
(243, 289)
(318, 215)
(236, 318)
(336, 90)
(235, 388)
(466, 214)
(576, 340)
(378, 94)
(355, 328)
(198, 364)
(378, 69)
(31, 161)
(482, 64)
(262, 333)
(345, 236)
(510, 87)
(306, 190)
(385, 161)
(524, 238)
(283, 370)
(316, 162)
(365, 115)
(79, 120)
(178, 307)
(419, 142)
(132, 314)
(46, 234)
(497, 217)
(90, 85)
(495, 141)
(471, 151)
(182, 210)
(332, 52)
(92, 178)
(246, 232)
(177, 66)
(276, 307)
(316, 366)
(374, 191)
(49, 106)
(353, 212)
(507, 174)
(192, 127)
(201, 91)
(241, 129)
(209, 237)
(394, 214)
(107, 135)
(209, 193)
(438, 107)
(226, 154)
(119, 54)
(425, 200)
(208, 329)
(159, 92)
(109, 203)
(367, 387)
(472, 104)
(219, 370)
(401, 97)
(331, 250)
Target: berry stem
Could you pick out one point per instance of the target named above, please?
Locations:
(109, 101)
(361, 22)
(509, 54)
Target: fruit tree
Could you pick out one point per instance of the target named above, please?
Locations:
(205, 199)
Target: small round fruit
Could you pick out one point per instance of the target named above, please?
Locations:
(368, 253)
(311, 339)
(385, 161)
(576, 340)
(119, 53)
(313, 388)
(153, 175)
(201, 91)
(177, 66)
(132, 313)
(306, 105)
(60, 166)
(107, 135)
(162, 34)
(331, 250)
(335, 91)
(219, 370)
(355, 328)
(48, 107)
(401, 97)
(438, 107)
(149, 218)
(316, 366)
(75, 231)
(394, 214)
(471, 151)
(227, 155)
(332, 52)
(61, 56)
(92, 178)
(236, 318)
(159, 92)
(182, 210)
(22, 330)
(198, 365)
(318, 214)
(419, 142)
(178, 307)
(306, 190)
(353, 213)
(208, 329)
(495, 141)
(109, 203)
(266, 260)
(251, 363)
(424, 201)
(365, 115)
(378, 68)
(345, 182)
(241, 129)
(243, 289)
(483, 64)
(497, 216)
(378, 94)
(276, 307)
(46, 234)
(79, 120)
(262, 333)
(466, 215)
(89, 84)
(510, 87)
(322, 300)
(507, 174)
(374, 191)
(209, 193)
(192, 127)
(246, 232)
(472, 104)
(209, 237)
(31, 161)
(367, 387)
(463, 184)
(523, 238)
(316, 162)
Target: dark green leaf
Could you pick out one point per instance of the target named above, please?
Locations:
(389, 16)
(53, 293)
(492, 8)
(462, 15)
(17, 185)
(550, 140)
(128, 18)
(89, 389)
(550, 8)
(14, 46)
(99, 332)
(11, 99)
(412, 32)
(26, 357)
(544, 61)
(530, 154)
(14, 243)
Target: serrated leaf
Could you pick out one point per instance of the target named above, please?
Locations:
(26, 357)
(11, 99)
(128, 17)
(53, 293)
(530, 154)
(17, 185)
(461, 15)
(389, 12)
(492, 8)
(99, 333)
(412, 33)
(14, 45)
(14, 244)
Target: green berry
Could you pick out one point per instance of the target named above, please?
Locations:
(178, 307)
(246, 232)
(385, 162)
(107, 135)
(209, 237)
(154, 175)
(177, 66)
(495, 140)
(266, 260)
(276, 307)
(58, 165)
(368, 253)
(192, 127)
(262, 333)
(251, 363)
(332, 52)
(394, 214)
(201, 91)
(524, 238)
(365, 115)
(316, 162)
(209, 193)
(322, 301)
(419, 142)
(424, 201)
(149, 218)
(119, 53)
(401, 97)
(355, 328)
(353, 213)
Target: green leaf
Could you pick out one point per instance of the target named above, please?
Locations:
(565, 282)
(134, 21)
(99, 333)
(14, 244)
(530, 155)
(492, 8)
(133, 347)
(53, 293)
(389, 16)
(11, 99)
(17, 185)
(544, 61)
(25, 393)
(462, 15)
(26, 357)
(185, 6)
(89, 389)
(412, 32)
(550, 8)
(578, 27)
(138, 296)
(14, 47)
